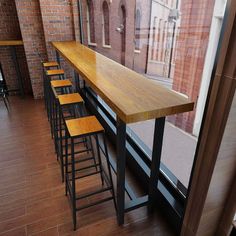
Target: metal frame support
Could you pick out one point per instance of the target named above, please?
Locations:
(156, 160)
(58, 58)
(121, 162)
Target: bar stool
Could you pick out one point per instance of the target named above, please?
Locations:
(57, 74)
(66, 106)
(50, 64)
(84, 127)
(56, 87)
(47, 66)
(70, 106)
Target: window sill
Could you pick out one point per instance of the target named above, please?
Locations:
(92, 44)
(106, 46)
(157, 62)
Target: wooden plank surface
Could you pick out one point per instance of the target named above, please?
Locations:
(11, 42)
(130, 95)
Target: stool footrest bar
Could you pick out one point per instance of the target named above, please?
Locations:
(94, 204)
(93, 193)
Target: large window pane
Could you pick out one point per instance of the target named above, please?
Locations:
(170, 42)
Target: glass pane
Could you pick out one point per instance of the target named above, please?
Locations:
(170, 42)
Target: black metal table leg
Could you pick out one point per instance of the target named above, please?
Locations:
(18, 73)
(121, 161)
(58, 58)
(156, 159)
(77, 81)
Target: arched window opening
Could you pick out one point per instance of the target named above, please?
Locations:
(106, 33)
(154, 39)
(90, 22)
(137, 29)
(123, 34)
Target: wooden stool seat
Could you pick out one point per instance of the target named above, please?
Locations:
(83, 126)
(69, 99)
(50, 64)
(55, 72)
(61, 83)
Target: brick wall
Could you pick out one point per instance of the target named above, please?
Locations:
(10, 30)
(191, 49)
(133, 60)
(41, 22)
(58, 25)
(34, 43)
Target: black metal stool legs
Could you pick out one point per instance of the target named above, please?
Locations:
(72, 175)
(73, 183)
(66, 162)
(109, 169)
(99, 158)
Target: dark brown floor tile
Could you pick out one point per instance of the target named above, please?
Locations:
(13, 213)
(48, 232)
(32, 196)
(15, 232)
(49, 222)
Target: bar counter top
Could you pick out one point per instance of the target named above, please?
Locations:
(131, 96)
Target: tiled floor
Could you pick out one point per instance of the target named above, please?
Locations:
(32, 200)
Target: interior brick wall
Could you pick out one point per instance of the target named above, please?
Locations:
(58, 25)
(10, 30)
(42, 22)
(34, 43)
(191, 49)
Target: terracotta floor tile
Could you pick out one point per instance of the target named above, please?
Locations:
(15, 232)
(48, 232)
(13, 213)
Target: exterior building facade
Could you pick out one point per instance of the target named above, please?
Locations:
(138, 33)
(162, 39)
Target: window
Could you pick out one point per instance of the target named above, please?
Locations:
(105, 24)
(178, 49)
(90, 22)
(137, 29)
(163, 56)
(154, 38)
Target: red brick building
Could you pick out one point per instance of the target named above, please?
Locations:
(137, 34)
(191, 47)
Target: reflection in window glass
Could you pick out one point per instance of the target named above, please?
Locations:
(171, 42)
(137, 29)
(106, 37)
(90, 22)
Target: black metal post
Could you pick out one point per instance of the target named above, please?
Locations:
(121, 161)
(61, 143)
(99, 158)
(77, 81)
(156, 159)
(18, 73)
(58, 58)
(66, 162)
(73, 182)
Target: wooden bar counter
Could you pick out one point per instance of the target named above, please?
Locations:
(12, 44)
(133, 98)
